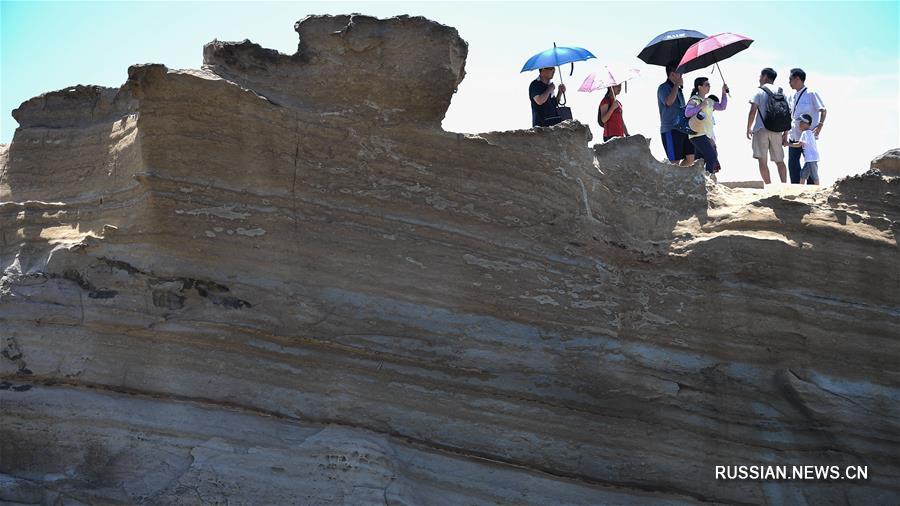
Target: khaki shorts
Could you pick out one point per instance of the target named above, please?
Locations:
(766, 142)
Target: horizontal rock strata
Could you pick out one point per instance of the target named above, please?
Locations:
(277, 280)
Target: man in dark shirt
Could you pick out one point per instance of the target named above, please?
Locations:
(670, 100)
(543, 102)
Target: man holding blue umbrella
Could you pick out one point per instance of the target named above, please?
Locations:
(542, 92)
(543, 100)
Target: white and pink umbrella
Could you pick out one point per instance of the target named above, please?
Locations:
(607, 77)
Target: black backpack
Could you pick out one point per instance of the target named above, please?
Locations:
(682, 122)
(777, 117)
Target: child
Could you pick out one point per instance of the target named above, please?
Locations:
(810, 151)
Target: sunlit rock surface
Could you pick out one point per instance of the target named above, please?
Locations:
(277, 280)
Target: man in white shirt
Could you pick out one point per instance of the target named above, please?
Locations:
(766, 143)
(802, 102)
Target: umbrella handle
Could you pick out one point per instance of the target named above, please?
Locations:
(558, 69)
(723, 78)
(561, 96)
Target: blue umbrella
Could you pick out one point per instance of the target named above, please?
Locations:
(556, 57)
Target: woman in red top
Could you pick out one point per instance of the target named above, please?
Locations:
(610, 115)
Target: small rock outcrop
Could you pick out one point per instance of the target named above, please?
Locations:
(277, 280)
(888, 163)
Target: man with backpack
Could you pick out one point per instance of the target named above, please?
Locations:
(768, 124)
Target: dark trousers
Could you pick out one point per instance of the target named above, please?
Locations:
(794, 166)
(707, 151)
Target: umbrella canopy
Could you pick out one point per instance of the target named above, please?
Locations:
(557, 56)
(712, 49)
(606, 78)
(669, 47)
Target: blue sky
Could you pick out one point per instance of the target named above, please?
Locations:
(51, 45)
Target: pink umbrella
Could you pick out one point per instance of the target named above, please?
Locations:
(712, 50)
(607, 78)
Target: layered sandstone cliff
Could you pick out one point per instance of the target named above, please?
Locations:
(277, 280)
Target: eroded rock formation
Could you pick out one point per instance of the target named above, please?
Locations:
(278, 280)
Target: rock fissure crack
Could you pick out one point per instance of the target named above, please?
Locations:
(413, 441)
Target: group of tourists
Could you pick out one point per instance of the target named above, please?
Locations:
(775, 121)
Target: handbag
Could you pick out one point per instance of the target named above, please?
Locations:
(682, 123)
(563, 112)
(689, 125)
(695, 122)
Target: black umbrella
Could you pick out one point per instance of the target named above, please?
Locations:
(668, 48)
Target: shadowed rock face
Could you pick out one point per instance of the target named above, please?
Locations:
(277, 280)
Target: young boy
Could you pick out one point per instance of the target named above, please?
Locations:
(807, 142)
